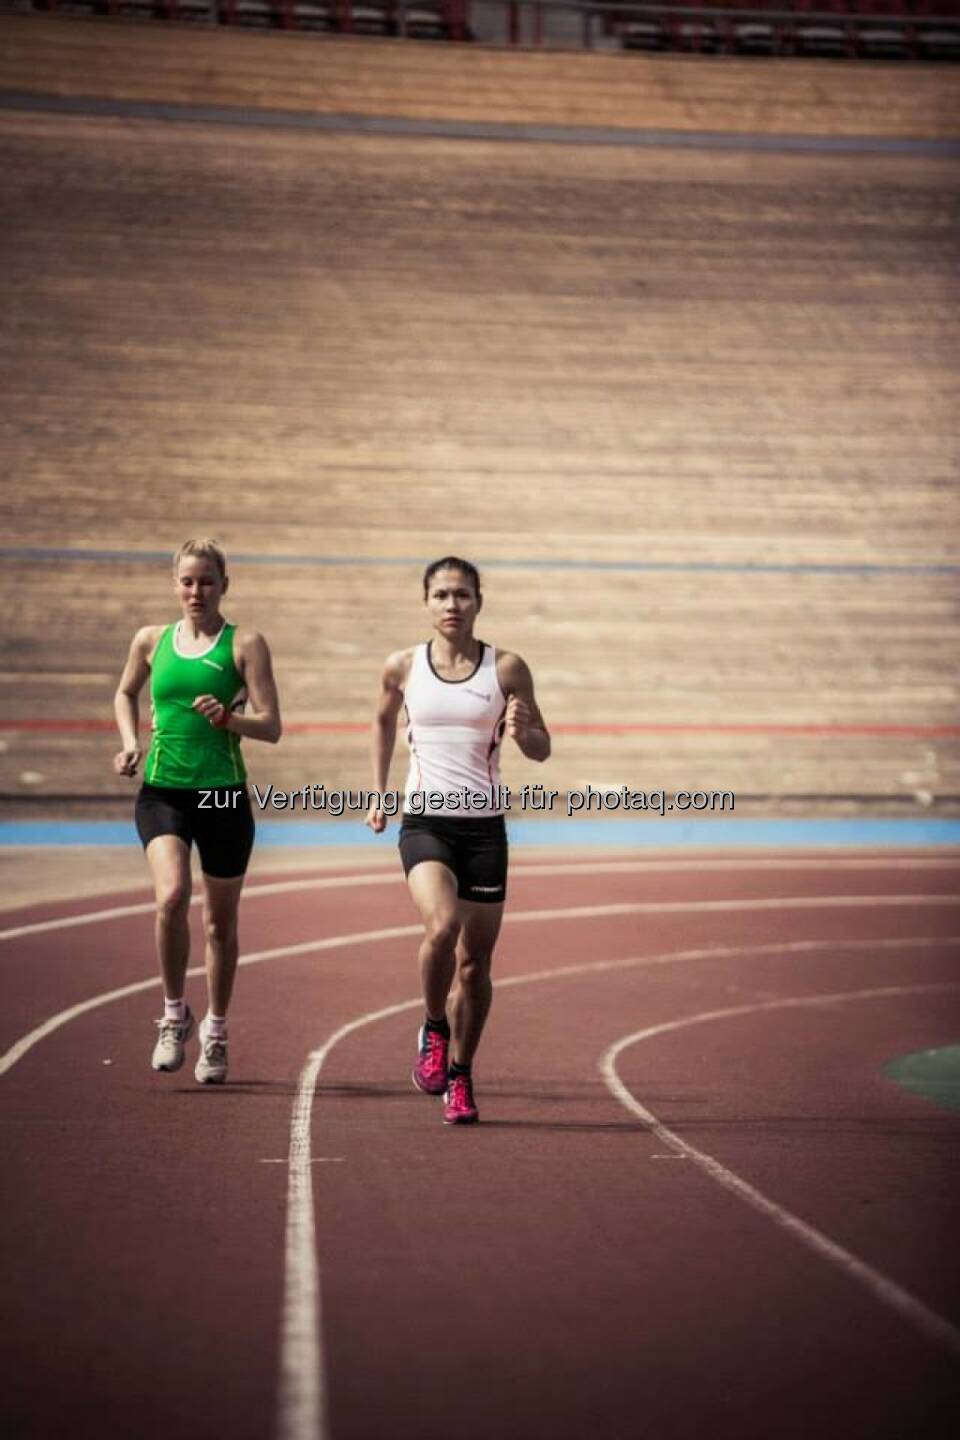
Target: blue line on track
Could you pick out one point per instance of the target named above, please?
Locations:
(40, 552)
(573, 833)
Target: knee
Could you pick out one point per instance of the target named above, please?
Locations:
(442, 931)
(173, 899)
(473, 970)
(220, 929)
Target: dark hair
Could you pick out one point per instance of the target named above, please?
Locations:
(451, 562)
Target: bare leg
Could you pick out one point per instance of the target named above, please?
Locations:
(434, 891)
(473, 990)
(220, 901)
(169, 860)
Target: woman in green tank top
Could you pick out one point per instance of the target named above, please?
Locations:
(203, 675)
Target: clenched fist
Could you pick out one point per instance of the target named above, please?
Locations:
(213, 710)
(126, 762)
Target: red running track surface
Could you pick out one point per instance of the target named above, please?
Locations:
(565, 1269)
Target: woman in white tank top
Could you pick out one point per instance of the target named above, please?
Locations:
(461, 697)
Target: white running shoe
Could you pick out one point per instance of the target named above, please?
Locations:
(168, 1051)
(211, 1067)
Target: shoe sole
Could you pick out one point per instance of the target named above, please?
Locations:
(423, 1088)
(172, 1069)
(461, 1120)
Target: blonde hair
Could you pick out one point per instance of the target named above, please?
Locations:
(204, 549)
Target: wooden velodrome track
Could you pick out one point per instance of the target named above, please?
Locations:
(695, 1204)
(728, 375)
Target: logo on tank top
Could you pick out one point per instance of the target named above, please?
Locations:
(212, 663)
(479, 693)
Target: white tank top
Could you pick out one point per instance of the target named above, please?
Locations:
(454, 730)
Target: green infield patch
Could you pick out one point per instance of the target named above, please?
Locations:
(933, 1073)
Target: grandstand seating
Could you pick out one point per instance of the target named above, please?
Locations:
(866, 29)
(416, 19)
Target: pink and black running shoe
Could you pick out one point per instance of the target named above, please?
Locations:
(430, 1071)
(459, 1107)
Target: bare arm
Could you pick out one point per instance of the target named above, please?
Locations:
(252, 655)
(384, 730)
(524, 720)
(126, 704)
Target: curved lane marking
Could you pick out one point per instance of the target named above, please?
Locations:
(589, 867)
(302, 1411)
(107, 997)
(577, 912)
(933, 1326)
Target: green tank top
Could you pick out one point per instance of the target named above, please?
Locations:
(186, 751)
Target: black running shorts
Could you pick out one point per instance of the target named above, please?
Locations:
(475, 850)
(220, 821)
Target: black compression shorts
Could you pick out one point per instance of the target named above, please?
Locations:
(223, 831)
(475, 850)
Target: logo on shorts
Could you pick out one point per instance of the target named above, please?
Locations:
(487, 889)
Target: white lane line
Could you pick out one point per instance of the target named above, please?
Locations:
(93, 917)
(251, 892)
(302, 1406)
(773, 902)
(300, 1378)
(580, 912)
(933, 1326)
(590, 867)
(56, 1022)
(302, 1411)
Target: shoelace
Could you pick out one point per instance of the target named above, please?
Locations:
(461, 1093)
(435, 1059)
(171, 1029)
(214, 1049)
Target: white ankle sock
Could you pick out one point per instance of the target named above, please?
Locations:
(215, 1026)
(174, 1010)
